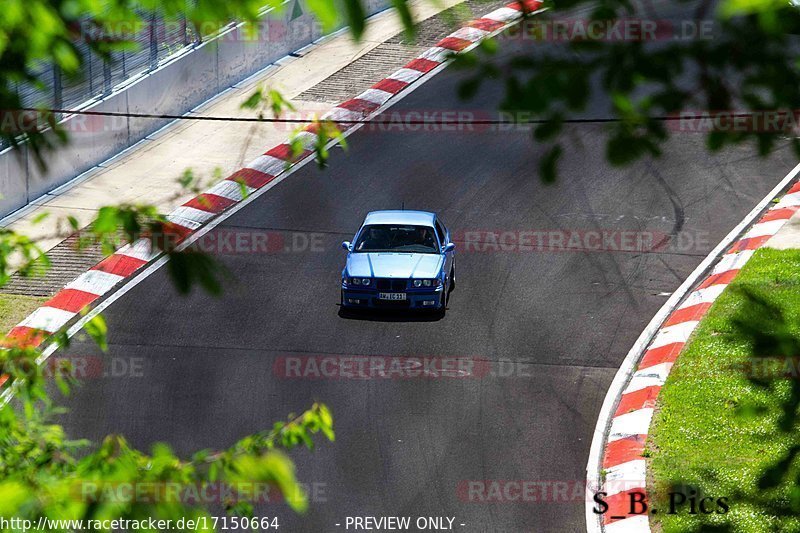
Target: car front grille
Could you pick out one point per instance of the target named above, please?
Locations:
(396, 285)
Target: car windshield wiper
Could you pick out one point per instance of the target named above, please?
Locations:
(396, 251)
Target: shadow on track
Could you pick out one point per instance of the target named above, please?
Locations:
(390, 315)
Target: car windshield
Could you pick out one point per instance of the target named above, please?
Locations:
(396, 238)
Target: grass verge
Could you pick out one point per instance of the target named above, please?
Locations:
(727, 420)
(14, 307)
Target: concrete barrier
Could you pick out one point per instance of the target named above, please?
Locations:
(188, 79)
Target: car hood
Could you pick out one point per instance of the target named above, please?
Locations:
(393, 265)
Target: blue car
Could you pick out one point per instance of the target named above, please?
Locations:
(399, 259)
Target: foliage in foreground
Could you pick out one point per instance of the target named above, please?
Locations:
(45, 474)
(749, 64)
(727, 424)
(744, 63)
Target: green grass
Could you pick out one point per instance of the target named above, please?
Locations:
(716, 429)
(13, 308)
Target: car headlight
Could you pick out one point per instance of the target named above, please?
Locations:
(427, 282)
(355, 281)
(365, 281)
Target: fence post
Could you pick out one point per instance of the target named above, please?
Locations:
(153, 43)
(106, 76)
(58, 96)
(185, 31)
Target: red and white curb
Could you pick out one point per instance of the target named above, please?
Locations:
(624, 421)
(108, 275)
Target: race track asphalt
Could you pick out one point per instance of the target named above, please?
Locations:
(199, 372)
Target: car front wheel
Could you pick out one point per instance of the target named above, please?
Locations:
(443, 304)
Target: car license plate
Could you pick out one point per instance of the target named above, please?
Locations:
(391, 295)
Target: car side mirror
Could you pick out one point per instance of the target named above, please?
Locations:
(449, 247)
(346, 245)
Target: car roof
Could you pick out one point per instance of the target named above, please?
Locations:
(416, 218)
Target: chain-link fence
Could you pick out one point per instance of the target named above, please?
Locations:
(171, 71)
(153, 40)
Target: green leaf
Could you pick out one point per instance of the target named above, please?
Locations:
(252, 101)
(243, 189)
(405, 17)
(716, 140)
(325, 10)
(278, 103)
(98, 331)
(546, 131)
(73, 222)
(13, 496)
(489, 46)
(41, 216)
(355, 17)
(275, 468)
(622, 103)
(549, 164)
(106, 220)
(187, 178)
(469, 87)
(188, 268)
(622, 148)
